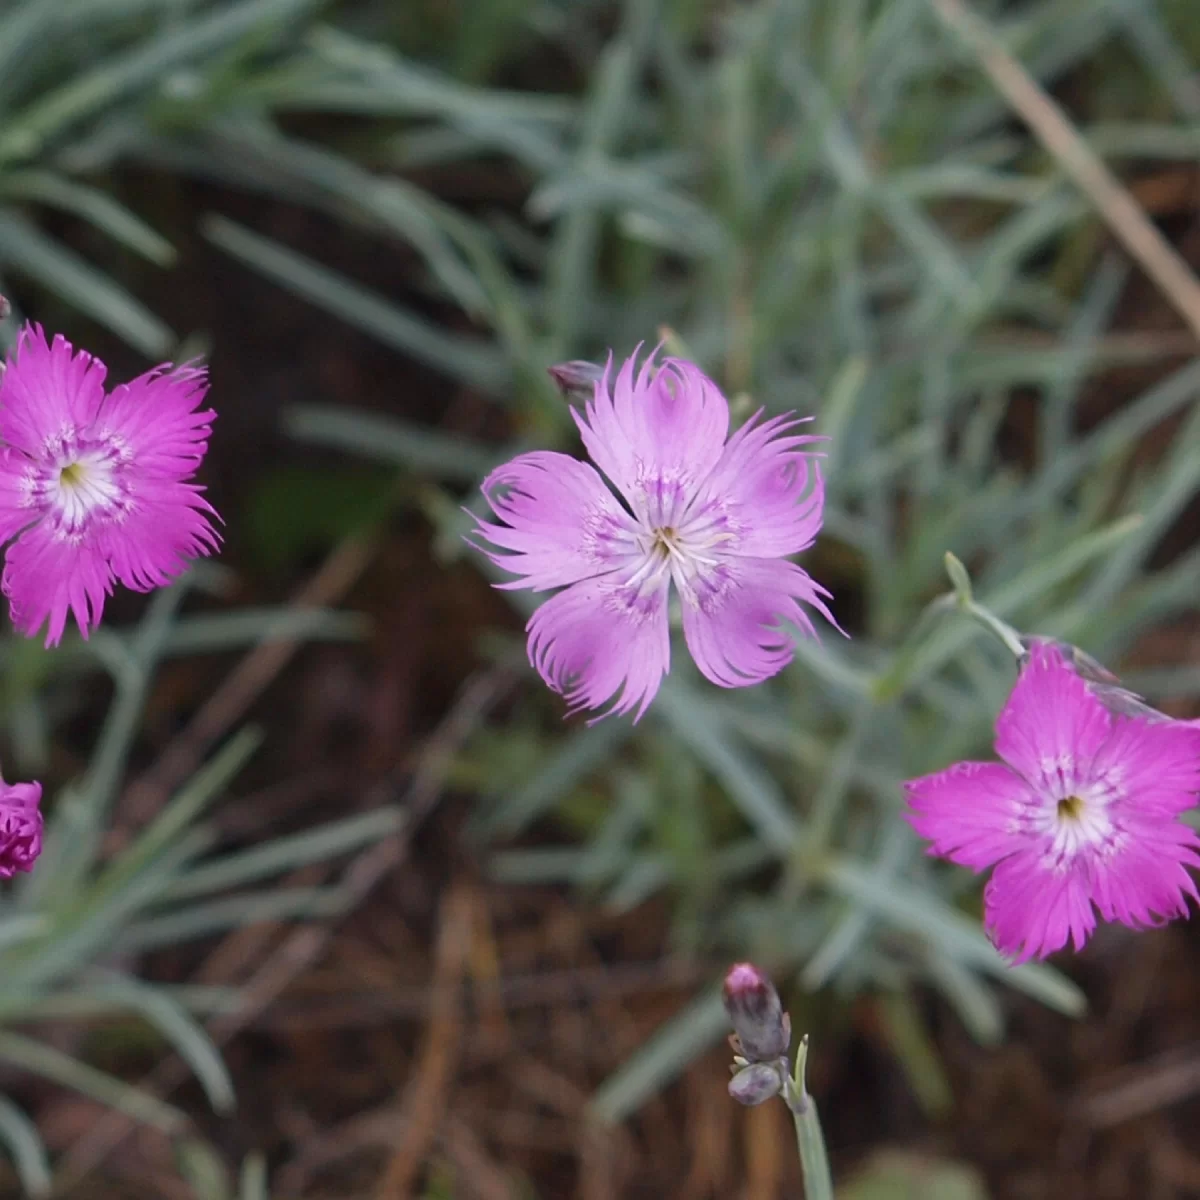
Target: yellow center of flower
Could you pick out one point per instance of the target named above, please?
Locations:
(85, 486)
(666, 542)
(72, 475)
(1070, 808)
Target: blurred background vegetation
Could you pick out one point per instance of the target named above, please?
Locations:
(321, 841)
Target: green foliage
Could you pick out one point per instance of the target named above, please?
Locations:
(205, 1173)
(294, 510)
(893, 1175)
(834, 212)
(64, 928)
(85, 86)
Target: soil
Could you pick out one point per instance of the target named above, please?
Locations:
(443, 1038)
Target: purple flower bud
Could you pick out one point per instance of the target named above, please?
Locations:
(756, 1083)
(5, 308)
(761, 1025)
(576, 379)
(20, 827)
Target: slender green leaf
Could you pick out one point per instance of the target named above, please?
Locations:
(24, 248)
(286, 853)
(54, 1065)
(469, 359)
(925, 917)
(387, 439)
(20, 1136)
(25, 133)
(185, 1036)
(94, 206)
(659, 1061)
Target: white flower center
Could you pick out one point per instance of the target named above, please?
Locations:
(1080, 822)
(84, 486)
(686, 552)
(675, 537)
(79, 480)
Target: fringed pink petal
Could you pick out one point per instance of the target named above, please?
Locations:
(17, 509)
(656, 435)
(767, 489)
(1031, 909)
(48, 576)
(167, 527)
(1052, 726)
(561, 522)
(601, 641)
(1143, 881)
(738, 618)
(47, 389)
(1155, 765)
(158, 420)
(969, 812)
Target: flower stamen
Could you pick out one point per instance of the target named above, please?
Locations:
(1070, 808)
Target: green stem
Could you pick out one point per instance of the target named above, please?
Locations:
(814, 1161)
(1005, 632)
(967, 602)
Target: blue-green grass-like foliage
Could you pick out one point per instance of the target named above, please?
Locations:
(828, 207)
(832, 211)
(71, 931)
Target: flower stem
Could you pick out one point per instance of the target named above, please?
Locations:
(968, 604)
(814, 1161)
(1005, 632)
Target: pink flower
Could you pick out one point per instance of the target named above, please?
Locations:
(1081, 815)
(20, 827)
(715, 516)
(93, 483)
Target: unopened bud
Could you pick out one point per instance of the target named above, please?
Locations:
(762, 1027)
(576, 379)
(5, 308)
(1101, 682)
(756, 1083)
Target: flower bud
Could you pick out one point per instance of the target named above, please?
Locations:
(20, 827)
(576, 379)
(761, 1025)
(1101, 682)
(5, 308)
(756, 1083)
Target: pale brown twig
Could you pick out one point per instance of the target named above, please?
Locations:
(1153, 1085)
(425, 1100)
(244, 684)
(1054, 130)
